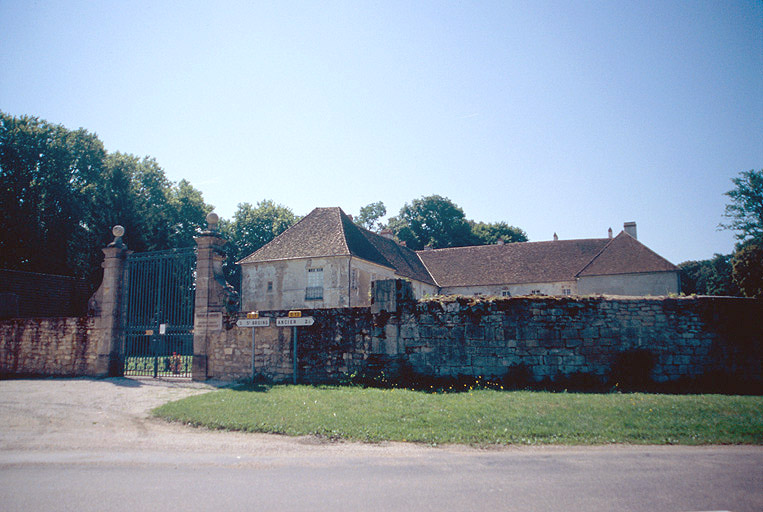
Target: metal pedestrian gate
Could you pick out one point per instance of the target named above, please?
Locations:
(160, 302)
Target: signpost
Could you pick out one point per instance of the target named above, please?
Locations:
(294, 320)
(253, 320)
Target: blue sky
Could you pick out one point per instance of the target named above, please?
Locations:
(566, 117)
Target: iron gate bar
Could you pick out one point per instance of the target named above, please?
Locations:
(160, 291)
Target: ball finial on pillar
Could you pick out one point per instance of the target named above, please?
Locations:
(212, 220)
(118, 232)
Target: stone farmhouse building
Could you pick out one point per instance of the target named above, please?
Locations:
(327, 261)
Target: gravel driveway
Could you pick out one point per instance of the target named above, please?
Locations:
(114, 415)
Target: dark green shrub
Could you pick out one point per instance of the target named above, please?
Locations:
(518, 376)
(632, 370)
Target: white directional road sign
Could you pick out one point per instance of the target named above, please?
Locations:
(295, 322)
(253, 322)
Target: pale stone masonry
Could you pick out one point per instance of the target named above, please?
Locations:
(108, 309)
(47, 346)
(553, 337)
(214, 297)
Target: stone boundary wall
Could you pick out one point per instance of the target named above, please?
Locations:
(337, 344)
(47, 346)
(552, 336)
(688, 337)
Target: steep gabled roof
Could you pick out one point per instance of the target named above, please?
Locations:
(404, 260)
(626, 255)
(514, 263)
(318, 234)
(326, 232)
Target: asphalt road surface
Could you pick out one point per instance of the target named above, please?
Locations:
(80, 444)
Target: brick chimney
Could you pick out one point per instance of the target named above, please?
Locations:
(556, 237)
(387, 233)
(630, 228)
(609, 233)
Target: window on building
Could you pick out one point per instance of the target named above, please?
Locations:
(270, 286)
(535, 292)
(505, 293)
(354, 279)
(566, 291)
(314, 289)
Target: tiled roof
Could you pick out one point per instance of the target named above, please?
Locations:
(514, 263)
(404, 260)
(326, 232)
(626, 255)
(330, 232)
(318, 234)
(541, 262)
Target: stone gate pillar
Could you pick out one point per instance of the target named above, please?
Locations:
(107, 306)
(212, 294)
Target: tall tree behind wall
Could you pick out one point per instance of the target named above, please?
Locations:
(708, 277)
(437, 222)
(45, 171)
(251, 228)
(745, 214)
(61, 192)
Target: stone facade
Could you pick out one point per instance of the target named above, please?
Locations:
(345, 282)
(654, 284)
(284, 284)
(515, 290)
(644, 284)
(553, 337)
(48, 346)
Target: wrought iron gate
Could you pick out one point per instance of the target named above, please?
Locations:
(160, 302)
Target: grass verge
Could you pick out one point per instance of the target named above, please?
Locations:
(479, 417)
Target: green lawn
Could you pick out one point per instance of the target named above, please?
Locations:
(478, 417)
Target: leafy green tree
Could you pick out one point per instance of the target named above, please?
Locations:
(61, 192)
(745, 214)
(491, 233)
(251, 228)
(156, 213)
(708, 277)
(745, 210)
(748, 269)
(370, 215)
(45, 171)
(438, 222)
(434, 221)
(188, 214)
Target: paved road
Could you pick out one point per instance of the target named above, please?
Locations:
(89, 445)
